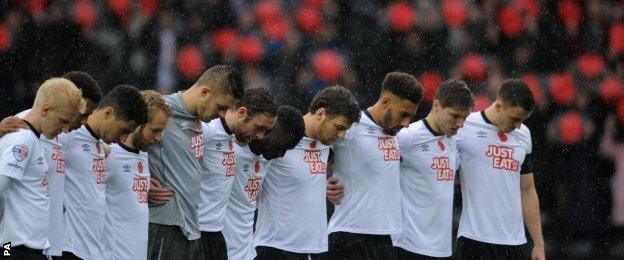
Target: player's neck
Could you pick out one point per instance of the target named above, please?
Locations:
(490, 113)
(130, 142)
(310, 125)
(230, 119)
(432, 123)
(94, 122)
(34, 119)
(376, 111)
(189, 100)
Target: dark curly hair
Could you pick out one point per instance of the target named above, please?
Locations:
(403, 85)
(90, 88)
(290, 121)
(128, 103)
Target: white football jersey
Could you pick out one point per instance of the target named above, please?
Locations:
(56, 182)
(218, 171)
(239, 215)
(85, 200)
(127, 214)
(292, 214)
(25, 217)
(429, 161)
(491, 164)
(53, 151)
(367, 163)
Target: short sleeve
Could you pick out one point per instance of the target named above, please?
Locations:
(16, 149)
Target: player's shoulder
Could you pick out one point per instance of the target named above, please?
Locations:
(22, 135)
(24, 141)
(414, 130)
(475, 117)
(524, 133)
(215, 129)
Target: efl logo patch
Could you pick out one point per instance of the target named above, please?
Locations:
(20, 152)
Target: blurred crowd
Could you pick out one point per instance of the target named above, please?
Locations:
(571, 53)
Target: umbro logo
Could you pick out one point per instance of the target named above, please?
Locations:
(482, 134)
(86, 148)
(219, 146)
(246, 167)
(424, 147)
(126, 168)
(370, 130)
(185, 123)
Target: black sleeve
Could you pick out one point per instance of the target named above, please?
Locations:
(527, 165)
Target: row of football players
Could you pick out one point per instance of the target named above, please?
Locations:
(205, 177)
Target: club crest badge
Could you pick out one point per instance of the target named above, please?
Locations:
(20, 152)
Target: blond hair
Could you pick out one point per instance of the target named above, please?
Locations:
(155, 103)
(60, 93)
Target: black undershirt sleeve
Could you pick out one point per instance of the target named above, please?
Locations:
(527, 165)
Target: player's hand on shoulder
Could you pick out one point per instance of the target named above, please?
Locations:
(158, 194)
(335, 190)
(11, 124)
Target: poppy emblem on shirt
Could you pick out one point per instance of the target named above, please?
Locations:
(502, 136)
(313, 145)
(230, 145)
(97, 147)
(140, 167)
(257, 167)
(441, 145)
(20, 152)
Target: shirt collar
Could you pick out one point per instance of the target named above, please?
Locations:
(225, 126)
(91, 132)
(32, 128)
(486, 119)
(433, 132)
(122, 145)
